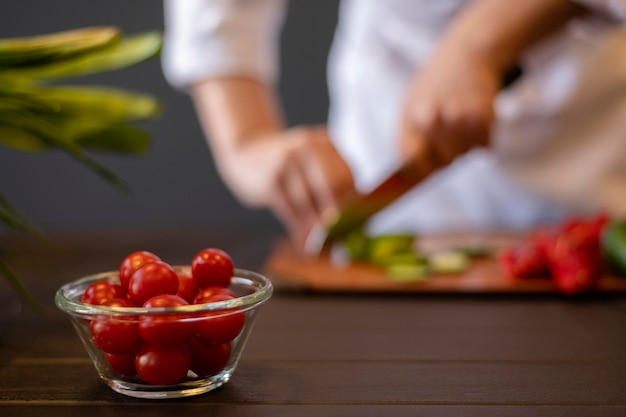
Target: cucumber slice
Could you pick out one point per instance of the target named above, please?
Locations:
(406, 267)
(382, 247)
(407, 272)
(448, 262)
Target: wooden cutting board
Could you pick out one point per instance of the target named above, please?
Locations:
(289, 269)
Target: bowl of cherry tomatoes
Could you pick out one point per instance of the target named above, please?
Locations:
(155, 330)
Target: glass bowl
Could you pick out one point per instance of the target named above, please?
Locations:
(199, 352)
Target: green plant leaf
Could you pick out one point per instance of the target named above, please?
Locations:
(108, 104)
(21, 97)
(130, 51)
(14, 219)
(121, 139)
(53, 46)
(19, 139)
(34, 117)
(80, 113)
(17, 222)
(54, 137)
(21, 289)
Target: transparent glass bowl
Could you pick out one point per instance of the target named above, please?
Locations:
(210, 368)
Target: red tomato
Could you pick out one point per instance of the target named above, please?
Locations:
(187, 289)
(206, 293)
(163, 365)
(102, 291)
(133, 262)
(116, 335)
(208, 359)
(122, 364)
(212, 267)
(220, 327)
(165, 329)
(153, 278)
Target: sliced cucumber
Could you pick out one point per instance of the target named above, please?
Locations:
(381, 248)
(407, 272)
(406, 267)
(356, 244)
(448, 262)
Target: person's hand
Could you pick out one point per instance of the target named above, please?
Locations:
(448, 110)
(297, 174)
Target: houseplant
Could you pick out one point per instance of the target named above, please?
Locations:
(38, 114)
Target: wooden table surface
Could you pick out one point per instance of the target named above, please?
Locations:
(322, 354)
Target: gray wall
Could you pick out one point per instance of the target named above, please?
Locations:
(176, 185)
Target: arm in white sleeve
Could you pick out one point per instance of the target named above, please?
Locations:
(216, 38)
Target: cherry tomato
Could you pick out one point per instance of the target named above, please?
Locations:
(163, 365)
(187, 289)
(212, 267)
(132, 262)
(100, 292)
(153, 278)
(122, 364)
(206, 293)
(165, 329)
(116, 334)
(208, 359)
(220, 327)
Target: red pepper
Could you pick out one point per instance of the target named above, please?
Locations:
(575, 269)
(523, 261)
(570, 253)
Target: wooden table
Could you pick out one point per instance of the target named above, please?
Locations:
(322, 354)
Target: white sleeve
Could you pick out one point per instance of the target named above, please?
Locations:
(613, 9)
(209, 38)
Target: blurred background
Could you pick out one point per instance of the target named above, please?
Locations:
(175, 186)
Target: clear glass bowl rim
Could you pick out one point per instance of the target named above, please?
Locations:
(65, 297)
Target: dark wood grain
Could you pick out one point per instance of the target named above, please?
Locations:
(313, 354)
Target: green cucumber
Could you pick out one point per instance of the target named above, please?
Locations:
(356, 243)
(381, 247)
(406, 267)
(407, 273)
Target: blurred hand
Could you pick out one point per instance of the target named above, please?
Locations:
(448, 110)
(297, 174)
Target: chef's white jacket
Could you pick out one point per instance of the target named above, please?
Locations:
(558, 144)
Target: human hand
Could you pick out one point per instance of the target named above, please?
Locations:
(448, 110)
(296, 173)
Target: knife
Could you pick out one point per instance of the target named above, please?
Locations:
(360, 210)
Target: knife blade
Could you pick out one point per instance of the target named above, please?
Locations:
(360, 210)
